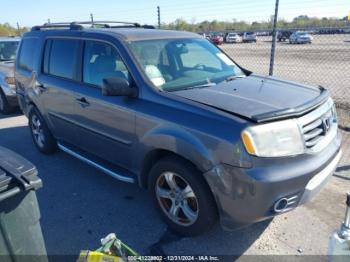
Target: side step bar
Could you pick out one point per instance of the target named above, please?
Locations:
(98, 166)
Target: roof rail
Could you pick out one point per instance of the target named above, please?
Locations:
(107, 23)
(71, 26)
(93, 24)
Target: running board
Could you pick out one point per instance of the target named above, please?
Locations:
(98, 166)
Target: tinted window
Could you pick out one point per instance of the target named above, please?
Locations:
(29, 47)
(60, 57)
(102, 61)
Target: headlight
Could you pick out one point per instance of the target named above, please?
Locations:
(275, 139)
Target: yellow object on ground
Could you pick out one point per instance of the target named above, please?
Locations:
(93, 256)
(112, 250)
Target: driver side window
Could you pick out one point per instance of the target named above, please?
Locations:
(102, 61)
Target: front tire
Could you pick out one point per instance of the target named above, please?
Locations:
(182, 196)
(41, 135)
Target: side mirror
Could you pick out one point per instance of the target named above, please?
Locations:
(117, 86)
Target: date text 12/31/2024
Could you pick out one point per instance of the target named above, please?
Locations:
(174, 258)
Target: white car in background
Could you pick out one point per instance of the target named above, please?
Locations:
(300, 38)
(249, 37)
(233, 38)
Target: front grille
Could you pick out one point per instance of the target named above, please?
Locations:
(313, 133)
(318, 124)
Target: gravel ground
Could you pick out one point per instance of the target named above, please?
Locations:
(79, 205)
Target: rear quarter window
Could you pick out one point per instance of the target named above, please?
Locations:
(60, 57)
(28, 52)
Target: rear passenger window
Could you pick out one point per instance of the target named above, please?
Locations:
(102, 61)
(29, 48)
(60, 57)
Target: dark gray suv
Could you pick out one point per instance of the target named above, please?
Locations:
(172, 112)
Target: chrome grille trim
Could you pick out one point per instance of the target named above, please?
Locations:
(312, 126)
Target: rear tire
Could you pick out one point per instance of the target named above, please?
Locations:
(5, 107)
(41, 135)
(182, 196)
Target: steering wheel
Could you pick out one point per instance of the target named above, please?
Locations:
(199, 66)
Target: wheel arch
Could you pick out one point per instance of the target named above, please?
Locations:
(173, 142)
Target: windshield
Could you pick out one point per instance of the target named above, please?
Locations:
(181, 64)
(8, 50)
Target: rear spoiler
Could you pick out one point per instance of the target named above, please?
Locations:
(292, 112)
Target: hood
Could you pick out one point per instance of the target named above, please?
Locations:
(7, 68)
(258, 98)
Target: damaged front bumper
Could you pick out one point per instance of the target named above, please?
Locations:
(271, 187)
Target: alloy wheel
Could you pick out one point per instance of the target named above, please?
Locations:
(177, 199)
(37, 130)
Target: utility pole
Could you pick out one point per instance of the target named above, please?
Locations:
(274, 39)
(18, 29)
(158, 11)
(92, 20)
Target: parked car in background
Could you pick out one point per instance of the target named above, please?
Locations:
(217, 39)
(263, 33)
(170, 111)
(8, 50)
(249, 37)
(283, 36)
(204, 35)
(300, 38)
(233, 38)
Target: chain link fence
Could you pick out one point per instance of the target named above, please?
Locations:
(325, 61)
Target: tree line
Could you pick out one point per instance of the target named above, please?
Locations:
(8, 30)
(301, 21)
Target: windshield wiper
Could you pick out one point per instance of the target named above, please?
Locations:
(202, 86)
(231, 78)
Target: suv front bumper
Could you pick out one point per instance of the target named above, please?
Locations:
(246, 196)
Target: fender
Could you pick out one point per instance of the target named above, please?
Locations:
(178, 141)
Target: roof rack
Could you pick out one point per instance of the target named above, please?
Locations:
(93, 24)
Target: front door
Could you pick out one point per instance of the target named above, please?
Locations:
(106, 126)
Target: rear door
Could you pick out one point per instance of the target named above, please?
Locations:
(57, 84)
(106, 123)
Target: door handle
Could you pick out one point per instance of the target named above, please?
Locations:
(82, 101)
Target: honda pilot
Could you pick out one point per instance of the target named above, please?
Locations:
(171, 112)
